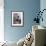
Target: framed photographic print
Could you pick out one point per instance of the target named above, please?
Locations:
(17, 18)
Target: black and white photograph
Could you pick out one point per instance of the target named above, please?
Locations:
(17, 18)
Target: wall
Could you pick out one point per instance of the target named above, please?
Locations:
(43, 6)
(30, 7)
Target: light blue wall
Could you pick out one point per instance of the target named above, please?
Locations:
(43, 6)
(29, 7)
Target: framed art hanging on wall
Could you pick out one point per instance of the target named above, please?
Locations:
(17, 18)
